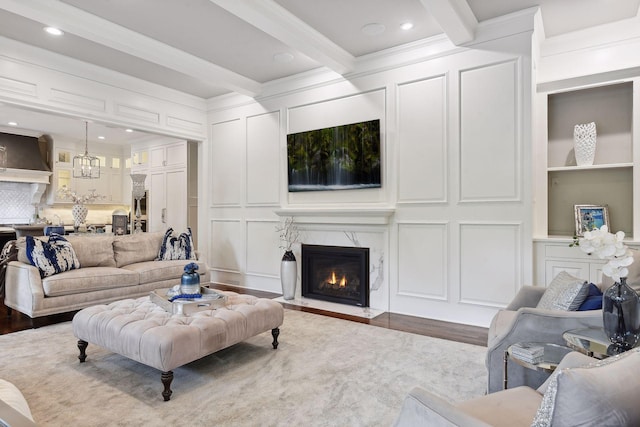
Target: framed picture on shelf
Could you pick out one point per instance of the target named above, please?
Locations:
(589, 217)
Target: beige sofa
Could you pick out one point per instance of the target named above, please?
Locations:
(111, 268)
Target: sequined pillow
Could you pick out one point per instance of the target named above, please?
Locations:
(53, 256)
(176, 247)
(565, 292)
(598, 394)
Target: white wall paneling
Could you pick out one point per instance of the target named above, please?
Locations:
(227, 160)
(226, 245)
(10, 86)
(262, 259)
(422, 141)
(490, 111)
(423, 260)
(263, 159)
(137, 113)
(41, 80)
(432, 114)
(490, 262)
(334, 112)
(78, 100)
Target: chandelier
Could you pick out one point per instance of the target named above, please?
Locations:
(86, 166)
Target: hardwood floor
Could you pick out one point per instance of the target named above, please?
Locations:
(417, 325)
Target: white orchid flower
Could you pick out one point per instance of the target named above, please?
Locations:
(605, 245)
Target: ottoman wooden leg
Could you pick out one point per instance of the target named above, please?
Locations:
(82, 346)
(275, 332)
(166, 378)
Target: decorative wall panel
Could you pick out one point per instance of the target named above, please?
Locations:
(18, 87)
(490, 262)
(137, 113)
(423, 260)
(422, 141)
(263, 159)
(350, 109)
(262, 238)
(490, 165)
(225, 245)
(78, 100)
(226, 163)
(177, 122)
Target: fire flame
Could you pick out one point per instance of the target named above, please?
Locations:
(334, 280)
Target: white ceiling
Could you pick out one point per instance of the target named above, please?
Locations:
(208, 48)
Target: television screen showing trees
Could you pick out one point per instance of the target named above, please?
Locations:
(343, 157)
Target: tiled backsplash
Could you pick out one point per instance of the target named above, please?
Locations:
(15, 203)
(16, 207)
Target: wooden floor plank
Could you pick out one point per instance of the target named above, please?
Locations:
(416, 325)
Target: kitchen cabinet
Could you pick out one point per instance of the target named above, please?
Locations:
(165, 164)
(139, 160)
(167, 200)
(168, 156)
(109, 185)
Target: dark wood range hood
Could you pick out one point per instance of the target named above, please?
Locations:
(25, 163)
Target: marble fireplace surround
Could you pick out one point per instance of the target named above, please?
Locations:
(352, 227)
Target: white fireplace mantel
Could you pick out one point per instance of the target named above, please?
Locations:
(338, 215)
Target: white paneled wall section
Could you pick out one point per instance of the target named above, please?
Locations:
(456, 160)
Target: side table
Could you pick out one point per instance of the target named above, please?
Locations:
(553, 354)
(590, 341)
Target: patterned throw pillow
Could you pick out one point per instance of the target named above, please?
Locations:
(53, 256)
(565, 292)
(180, 247)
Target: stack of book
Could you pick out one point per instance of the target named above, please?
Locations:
(530, 353)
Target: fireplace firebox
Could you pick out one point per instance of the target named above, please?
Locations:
(336, 274)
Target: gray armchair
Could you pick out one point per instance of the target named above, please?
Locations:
(521, 321)
(584, 395)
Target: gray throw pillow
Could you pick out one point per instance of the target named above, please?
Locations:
(565, 292)
(598, 394)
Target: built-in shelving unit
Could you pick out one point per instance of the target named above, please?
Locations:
(609, 181)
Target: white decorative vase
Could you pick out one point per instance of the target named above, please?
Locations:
(79, 213)
(288, 275)
(584, 140)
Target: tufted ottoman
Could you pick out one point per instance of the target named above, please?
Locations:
(143, 331)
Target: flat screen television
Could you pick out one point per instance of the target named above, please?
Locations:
(342, 157)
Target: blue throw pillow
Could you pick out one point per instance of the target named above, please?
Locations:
(180, 247)
(593, 300)
(53, 256)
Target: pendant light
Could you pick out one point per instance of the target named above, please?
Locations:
(86, 166)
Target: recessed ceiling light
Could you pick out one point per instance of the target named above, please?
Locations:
(128, 130)
(406, 26)
(373, 29)
(54, 31)
(283, 57)
(100, 137)
(12, 123)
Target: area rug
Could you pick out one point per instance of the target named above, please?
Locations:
(326, 372)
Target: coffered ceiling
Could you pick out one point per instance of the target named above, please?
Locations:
(208, 48)
(211, 47)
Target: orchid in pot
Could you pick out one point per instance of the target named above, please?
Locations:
(620, 303)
